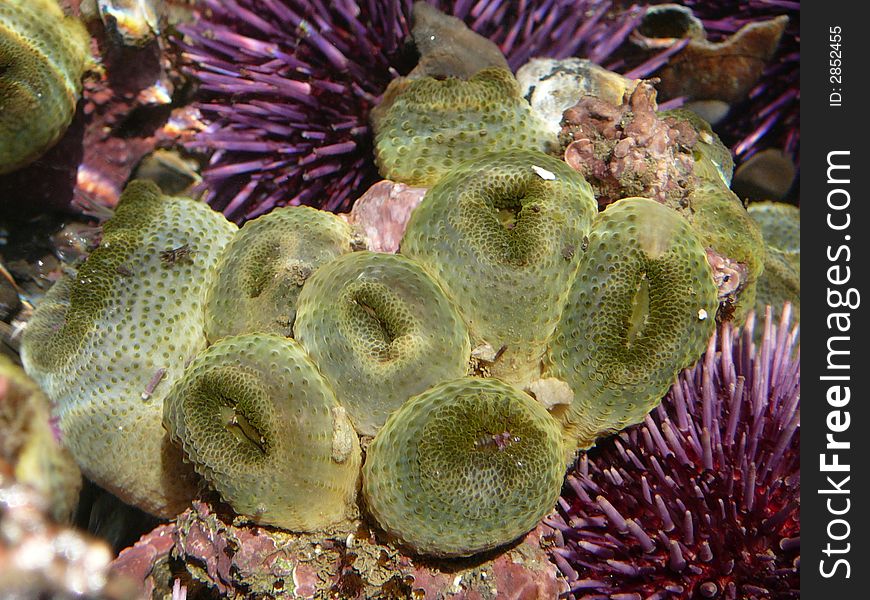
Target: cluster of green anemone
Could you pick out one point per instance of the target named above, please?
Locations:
(267, 357)
(516, 325)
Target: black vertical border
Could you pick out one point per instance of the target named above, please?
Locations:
(824, 129)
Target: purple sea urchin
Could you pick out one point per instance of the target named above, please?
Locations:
(288, 84)
(702, 499)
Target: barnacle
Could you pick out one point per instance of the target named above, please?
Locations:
(106, 343)
(264, 267)
(259, 422)
(43, 55)
(425, 127)
(640, 309)
(381, 330)
(466, 466)
(502, 234)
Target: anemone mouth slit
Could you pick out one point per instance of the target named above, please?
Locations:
(240, 427)
(387, 333)
(512, 216)
(640, 311)
(498, 439)
(509, 217)
(382, 325)
(508, 207)
(260, 274)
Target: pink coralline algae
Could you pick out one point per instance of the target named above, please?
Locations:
(238, 561)
(382, 214)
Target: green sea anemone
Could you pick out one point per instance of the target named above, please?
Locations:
(107, 342)
(641, 308)
(260, 275)
(466, 466)
(28, 444)
(425, 127)
(43, 55)
(781, 280)
(381, 330)
(734, 242)
(502, 234)
(262, 426)
(780, 224)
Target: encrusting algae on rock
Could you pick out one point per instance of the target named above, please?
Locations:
(43, 56)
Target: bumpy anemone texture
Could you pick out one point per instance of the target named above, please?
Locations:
(259, 422)
(640, 309)
(106, 343)
(780, 224)
(426, 127)
(466, 466)
(264, 267)
(781, 280)
(381, 330)
(43, 56)
(498, 229)
(288, 84)
(701, 500)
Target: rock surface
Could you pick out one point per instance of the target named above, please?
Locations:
(351, 562)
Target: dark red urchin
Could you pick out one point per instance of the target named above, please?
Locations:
(770, 116)
(288, 84)
(702, 499)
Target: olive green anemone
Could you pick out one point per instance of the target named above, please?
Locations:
(381, 330)
(43, 55)
(641, 308)
(503, 235)
(258, 421)
(464, 467)
(426, 127)
(265, 266)
(107, 342)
